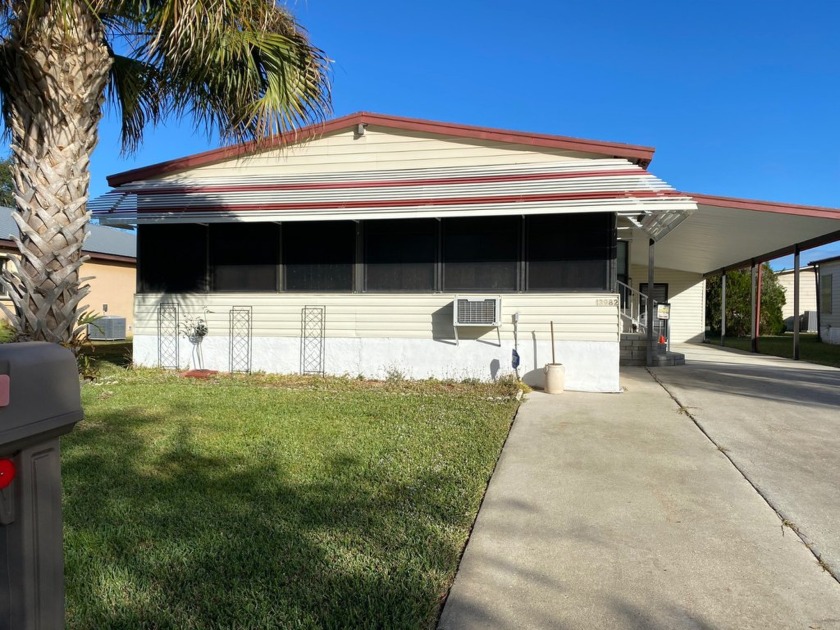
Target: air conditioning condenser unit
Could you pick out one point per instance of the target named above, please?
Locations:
(109, 328)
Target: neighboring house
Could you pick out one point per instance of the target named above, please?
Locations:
(807, 294)
(362, 245)
(110, 271)
(828, 298)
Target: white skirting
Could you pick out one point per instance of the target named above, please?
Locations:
(830, 334)
(591, 366)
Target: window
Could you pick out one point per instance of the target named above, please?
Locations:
(569, 251)
(319, 255)
(172, 258)
(244, 256)
(622, 261)
(400, 255)
(826, 293)
(481, 254)
(660, 291)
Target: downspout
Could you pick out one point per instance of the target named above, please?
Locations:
(819, 306)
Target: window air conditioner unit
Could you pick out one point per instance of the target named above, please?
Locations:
(108, 328)
(477, 311)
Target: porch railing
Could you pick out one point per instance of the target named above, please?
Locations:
(633, 308)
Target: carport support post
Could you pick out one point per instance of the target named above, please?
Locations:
(753, 339)
(650, 340)
(796, 302)
(722, 305)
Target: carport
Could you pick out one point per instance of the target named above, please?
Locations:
(725, 234)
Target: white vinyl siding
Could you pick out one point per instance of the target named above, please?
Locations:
(379, 150)
(576, 316)
(807, 290)
(687, 296)
(830, 294)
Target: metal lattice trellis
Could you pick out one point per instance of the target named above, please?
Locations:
(312, 339)
(168, 336)
(240, 339)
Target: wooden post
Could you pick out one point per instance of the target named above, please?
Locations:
(796, 303)
(758, 305)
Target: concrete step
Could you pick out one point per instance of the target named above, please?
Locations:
(667, 359)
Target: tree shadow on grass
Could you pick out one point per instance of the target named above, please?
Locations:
(174, 537)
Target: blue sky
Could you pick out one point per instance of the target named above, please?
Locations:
(740, 98)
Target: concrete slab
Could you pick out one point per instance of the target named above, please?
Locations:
(779, 421)
(615, 511)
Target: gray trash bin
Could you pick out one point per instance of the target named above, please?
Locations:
(39, 401)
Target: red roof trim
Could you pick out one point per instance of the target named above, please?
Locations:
(766, 206)
(439, 181)
(635, 153)
(419, 203)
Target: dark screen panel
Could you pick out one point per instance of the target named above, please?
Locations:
(480, 254)
(319, 255)
(400, 255)
(569, 251)
(244, 256)
(172, 258)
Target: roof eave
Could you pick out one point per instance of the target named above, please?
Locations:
(637, 154)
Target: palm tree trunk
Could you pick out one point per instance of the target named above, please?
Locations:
(54, 99)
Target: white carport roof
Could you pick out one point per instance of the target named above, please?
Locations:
(729, 233)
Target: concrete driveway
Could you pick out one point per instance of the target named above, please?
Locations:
(616, 511)
(779, 422)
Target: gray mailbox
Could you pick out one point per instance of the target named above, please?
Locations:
(39, 401)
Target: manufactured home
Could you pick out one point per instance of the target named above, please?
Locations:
(807, 297)
(828, 298)
(372, 245)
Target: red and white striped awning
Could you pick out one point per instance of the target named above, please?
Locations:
(568, 186)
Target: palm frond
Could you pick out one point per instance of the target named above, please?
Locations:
(134, 91)
(243, 68)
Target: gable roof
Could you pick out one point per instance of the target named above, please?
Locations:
(102, 240)
(824, 261)
(636, 154)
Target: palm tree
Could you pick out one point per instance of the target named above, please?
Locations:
(242, 68)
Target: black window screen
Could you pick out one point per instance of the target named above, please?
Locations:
(172, 258)
(244, 256)
(481, 254)
(622, 261)
(660, 291)
(569, 251)
(400, 255)
(319, 255)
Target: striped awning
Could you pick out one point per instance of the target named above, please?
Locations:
(568, 186)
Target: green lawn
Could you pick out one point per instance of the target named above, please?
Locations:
(810, 349)
(265, 502)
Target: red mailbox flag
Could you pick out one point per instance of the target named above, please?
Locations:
(7, 472)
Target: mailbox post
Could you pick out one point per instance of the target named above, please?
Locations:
(39, 401)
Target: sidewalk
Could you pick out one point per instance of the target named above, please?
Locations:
(615, 511)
